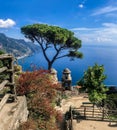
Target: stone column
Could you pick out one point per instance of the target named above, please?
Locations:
(66, 79)
(53, 72)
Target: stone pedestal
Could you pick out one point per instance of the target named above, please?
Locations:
(53, 73)
(66, 79)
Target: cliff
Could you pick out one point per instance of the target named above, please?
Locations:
(17, 47)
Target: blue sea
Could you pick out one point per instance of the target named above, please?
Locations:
(102, 55)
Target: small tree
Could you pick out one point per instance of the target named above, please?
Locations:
(59, 39)
(93, 81)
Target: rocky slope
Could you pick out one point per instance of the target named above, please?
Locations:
(17, 47)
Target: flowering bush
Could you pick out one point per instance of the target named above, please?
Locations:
(41, 95)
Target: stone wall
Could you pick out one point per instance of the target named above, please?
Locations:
(12, 114)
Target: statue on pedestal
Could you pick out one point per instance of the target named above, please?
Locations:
(66, 79)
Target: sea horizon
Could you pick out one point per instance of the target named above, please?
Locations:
(100, 54)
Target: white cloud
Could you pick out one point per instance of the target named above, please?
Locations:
(110, 25)
(80, 5)
(111, 15)
(83, 29)
(107, 34)
(105, 10)
(6, 23)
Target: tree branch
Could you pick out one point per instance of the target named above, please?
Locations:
(57, 53)
(42, 47)
(62, 56)
(47, 46)
(55, 46)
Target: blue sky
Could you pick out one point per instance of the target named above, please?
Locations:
(92, 21)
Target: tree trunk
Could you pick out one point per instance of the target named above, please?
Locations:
(50, 65)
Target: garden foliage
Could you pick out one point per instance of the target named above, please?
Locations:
(41, 95)
(93, 82)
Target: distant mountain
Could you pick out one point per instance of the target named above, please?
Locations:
(17, 47)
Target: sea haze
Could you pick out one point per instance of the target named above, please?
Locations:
(102, 55)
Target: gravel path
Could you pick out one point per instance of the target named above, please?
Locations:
(76, 101)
